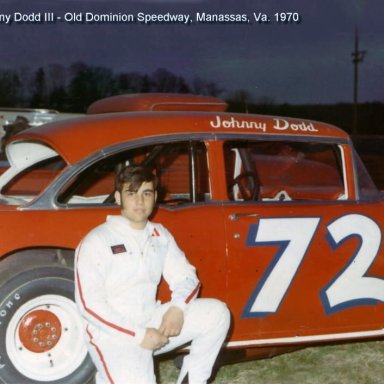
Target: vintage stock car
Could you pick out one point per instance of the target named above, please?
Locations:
(279, 215)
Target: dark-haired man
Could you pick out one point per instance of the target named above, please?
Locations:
(118, 267)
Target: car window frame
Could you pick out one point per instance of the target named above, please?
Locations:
(341, 143)
(49, 199)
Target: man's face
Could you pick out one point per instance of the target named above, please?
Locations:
(137, 206)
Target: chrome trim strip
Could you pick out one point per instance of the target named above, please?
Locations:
(306, 339)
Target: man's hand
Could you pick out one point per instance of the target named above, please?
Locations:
(153, 339)
(172, 322)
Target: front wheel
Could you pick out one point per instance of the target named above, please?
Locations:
(40, 330)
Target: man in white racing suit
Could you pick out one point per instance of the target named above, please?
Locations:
(118, 267)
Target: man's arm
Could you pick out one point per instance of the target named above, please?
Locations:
(180, 275)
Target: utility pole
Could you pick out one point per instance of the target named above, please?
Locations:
(357, 57)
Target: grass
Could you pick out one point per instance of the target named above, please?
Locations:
(357, 363)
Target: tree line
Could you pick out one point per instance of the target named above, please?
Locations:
(74, 88)
(370, 119)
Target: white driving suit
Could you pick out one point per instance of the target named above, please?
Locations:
(116, 283)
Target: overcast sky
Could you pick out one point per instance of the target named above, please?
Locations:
(305, 62)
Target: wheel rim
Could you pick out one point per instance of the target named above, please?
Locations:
(40, 330)
(44, 338)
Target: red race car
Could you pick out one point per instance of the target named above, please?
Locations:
(279, 216)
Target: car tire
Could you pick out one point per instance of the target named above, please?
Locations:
(40, 329)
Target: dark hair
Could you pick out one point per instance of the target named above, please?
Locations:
(135, 176)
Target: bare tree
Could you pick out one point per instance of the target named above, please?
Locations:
(9, 88)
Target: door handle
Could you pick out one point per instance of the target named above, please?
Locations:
(237, 216)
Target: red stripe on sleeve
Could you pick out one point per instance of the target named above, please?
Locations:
(95, 315)
(193, 293)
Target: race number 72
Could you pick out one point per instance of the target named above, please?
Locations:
(294, 236)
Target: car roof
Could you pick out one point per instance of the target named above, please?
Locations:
(77, 138)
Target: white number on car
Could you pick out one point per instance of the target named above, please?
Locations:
(352, 287)
(294, 236)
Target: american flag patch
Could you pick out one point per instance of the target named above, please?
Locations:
(119, 248)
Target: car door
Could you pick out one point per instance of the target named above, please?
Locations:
(304, 259)
(184, 201)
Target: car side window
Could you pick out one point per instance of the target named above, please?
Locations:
(283, 171)
(182, 170)
(180, 166)
(32, 181)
